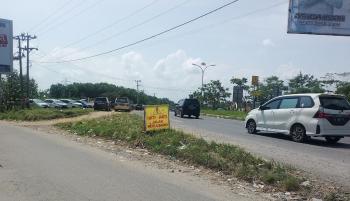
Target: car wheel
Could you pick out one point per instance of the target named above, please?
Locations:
(175, 114)
(189, 116)
(332, 140)
(298, 133)
(197, 117)
(251, 127)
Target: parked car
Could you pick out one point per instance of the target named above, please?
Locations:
(189, 107)
(54, 103)
(72, 103)
(122, 104)
(85, 104)
(138, 107)
(38, 103)
(102, 103)
(303, 116)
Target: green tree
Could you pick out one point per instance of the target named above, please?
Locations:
(214, 94)
(240, 82)
(344, 88)
(305, 83)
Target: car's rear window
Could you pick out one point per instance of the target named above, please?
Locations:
(122, 100)
(192, 102)
(334, 103)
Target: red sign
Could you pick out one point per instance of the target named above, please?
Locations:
(3, 40)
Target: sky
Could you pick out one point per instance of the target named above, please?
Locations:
(247, 38)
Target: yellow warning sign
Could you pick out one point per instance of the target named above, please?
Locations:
(156, 117)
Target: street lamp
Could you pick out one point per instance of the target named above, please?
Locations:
(203, 66)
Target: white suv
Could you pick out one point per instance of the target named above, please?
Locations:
(303, 116)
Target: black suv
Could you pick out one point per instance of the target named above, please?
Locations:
(102, 103)
(188, 107)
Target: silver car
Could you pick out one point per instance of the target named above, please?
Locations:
(54, 103)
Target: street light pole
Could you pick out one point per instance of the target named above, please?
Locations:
(203, 67)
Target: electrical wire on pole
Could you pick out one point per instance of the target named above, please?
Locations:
(118, 21)
(147, 38)
(129, 29)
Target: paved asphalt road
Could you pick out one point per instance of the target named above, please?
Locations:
(317, 157)
(36, 166)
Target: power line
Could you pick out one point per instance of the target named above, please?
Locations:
(150, 37)
(58, 17)
(65, 4)
(76, 15)
(109, 25)
(198, 30)
(132, 27)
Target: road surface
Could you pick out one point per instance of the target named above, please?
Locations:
(35, 166)
(330, 162)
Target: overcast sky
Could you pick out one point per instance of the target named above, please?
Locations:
(247, 38)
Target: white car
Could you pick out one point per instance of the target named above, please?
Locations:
(72, 103)
(54, 103)
(303, 116)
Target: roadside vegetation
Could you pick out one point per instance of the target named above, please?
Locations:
(227, 114)
(37, 114)
(229, 159)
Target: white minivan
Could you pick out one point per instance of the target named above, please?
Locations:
(303, 116)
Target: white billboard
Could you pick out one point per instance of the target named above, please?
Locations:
(6, 46)
(324, 17)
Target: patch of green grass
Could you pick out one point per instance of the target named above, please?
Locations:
(229, 114)
(229, 159)
(37, 114)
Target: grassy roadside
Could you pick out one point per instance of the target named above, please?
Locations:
(229, 159)
(37, 114)
(227, 114)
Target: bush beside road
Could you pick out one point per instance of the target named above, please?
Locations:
(37, 114)
(227, 114)
(229, 159)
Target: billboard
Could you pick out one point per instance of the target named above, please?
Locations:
(156, 117)
(237, 95)
(323, 17)
(6, 46)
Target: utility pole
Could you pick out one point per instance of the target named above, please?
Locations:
(137, 87)
(26, 37)
(19, 58)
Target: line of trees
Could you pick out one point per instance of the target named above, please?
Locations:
(215, 95)
(92, 90)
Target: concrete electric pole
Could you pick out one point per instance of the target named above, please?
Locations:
(26, 37)
(137, 87)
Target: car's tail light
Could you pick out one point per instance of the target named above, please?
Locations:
(321, 115)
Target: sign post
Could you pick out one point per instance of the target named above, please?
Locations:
(156, 117)
(326, 17)
(6, 46)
